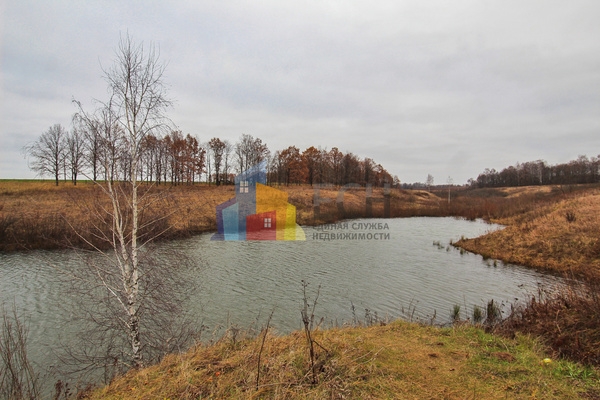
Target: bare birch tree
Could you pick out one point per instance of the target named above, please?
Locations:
(138, 104)
(429, 181)
(136, 109)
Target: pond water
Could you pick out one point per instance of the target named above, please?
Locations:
(405, 269)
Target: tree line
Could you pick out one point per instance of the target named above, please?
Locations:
(581, 170)
(95, 147)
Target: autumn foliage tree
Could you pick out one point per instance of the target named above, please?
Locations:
(318, 166)
(312, 159)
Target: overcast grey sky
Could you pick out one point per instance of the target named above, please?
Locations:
(446, 88)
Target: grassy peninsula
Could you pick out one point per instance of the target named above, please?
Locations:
(560, 236)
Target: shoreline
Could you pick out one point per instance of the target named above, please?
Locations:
(546, 228)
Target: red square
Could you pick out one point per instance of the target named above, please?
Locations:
(261, 226)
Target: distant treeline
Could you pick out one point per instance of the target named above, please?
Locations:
(581, 170)
(99, 150)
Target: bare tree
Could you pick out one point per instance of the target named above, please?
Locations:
(75, 151)
(336, 162)
(48, 152)
(135, 110)
(18, 379)
(104, 142)
(101, 346)
(138, 103)
(243, 148)
(193, 153)
(208, 163)
(429, 181)
(151, 159)
(250, 151)
(369, 170)
(90, 130)
(217, 148)
(351, 168)
(227, 152)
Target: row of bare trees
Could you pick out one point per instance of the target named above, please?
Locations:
(581, 170)
(57, 151)
(95, 147)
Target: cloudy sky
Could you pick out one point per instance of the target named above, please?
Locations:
(422, 87)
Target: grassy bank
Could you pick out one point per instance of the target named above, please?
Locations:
(560, 236)
(399, 360)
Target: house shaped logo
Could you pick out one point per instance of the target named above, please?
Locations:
(258, 211)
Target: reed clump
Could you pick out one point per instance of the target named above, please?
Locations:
(477, 314)
(567, 321)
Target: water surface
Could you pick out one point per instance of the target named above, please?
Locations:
(402, 274)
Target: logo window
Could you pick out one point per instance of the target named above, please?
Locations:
(267, 222)
(243, 186)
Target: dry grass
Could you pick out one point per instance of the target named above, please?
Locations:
(399, 360)
(37, 214)
(562, 237)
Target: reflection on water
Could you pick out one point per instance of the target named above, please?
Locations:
(237, 282)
